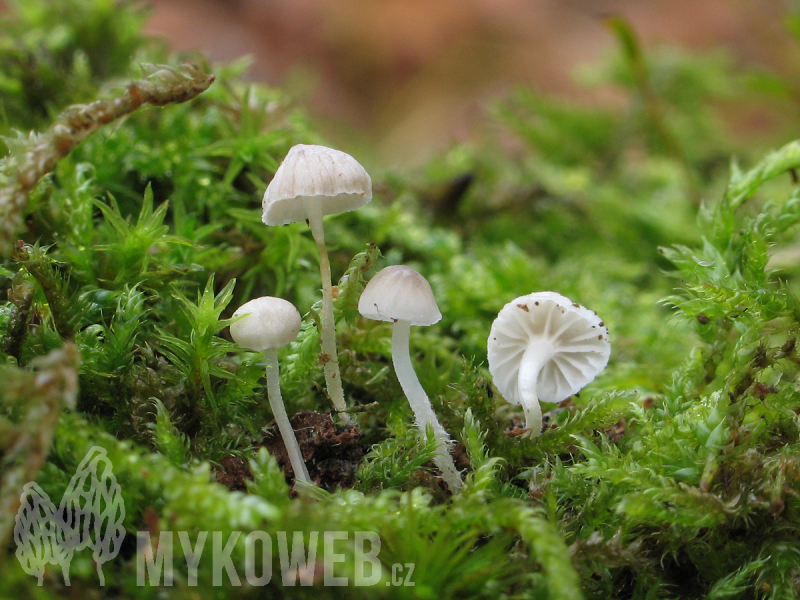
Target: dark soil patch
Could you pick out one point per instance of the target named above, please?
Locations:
(232, 472)
(332, 453)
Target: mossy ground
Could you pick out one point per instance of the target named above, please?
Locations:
(675, 474)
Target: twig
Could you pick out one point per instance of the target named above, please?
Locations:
(356, 409)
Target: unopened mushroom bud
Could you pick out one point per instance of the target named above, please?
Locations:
(314, 181)
(402, 296)
(268, 324)
(544, 347)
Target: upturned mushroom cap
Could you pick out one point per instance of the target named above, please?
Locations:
(573, 339)
(270, 323)
(399, 293)
(332, 180)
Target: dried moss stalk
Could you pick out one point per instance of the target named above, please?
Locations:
(21, 296)
(41, 267)
(165, 86)
(25, 444)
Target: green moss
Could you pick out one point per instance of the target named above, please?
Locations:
(676, 473)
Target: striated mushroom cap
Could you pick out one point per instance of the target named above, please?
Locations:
(315, 178)
(572, 339)
(270, 323)
(399, 293)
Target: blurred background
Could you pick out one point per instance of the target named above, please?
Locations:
(409, 77)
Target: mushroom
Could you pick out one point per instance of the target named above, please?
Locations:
(311, 182)
(544, 347)
(267, 324)
(402, 296)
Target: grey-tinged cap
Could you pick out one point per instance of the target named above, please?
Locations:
(399, 293)
(270, 323)
(572, 339)
(327, 180)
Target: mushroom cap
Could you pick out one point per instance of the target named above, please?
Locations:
(399, 293)
(329, 180)
(270, 323)
(573, 338)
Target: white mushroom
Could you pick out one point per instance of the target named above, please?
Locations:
(268, 324)
(311, 182)
(402, 296)
(544, 347)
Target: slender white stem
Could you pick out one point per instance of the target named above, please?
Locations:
(534, 358)
(282, 419)
(420, 404)
(327, 334)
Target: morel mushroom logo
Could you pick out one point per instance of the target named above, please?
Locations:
(90, 516)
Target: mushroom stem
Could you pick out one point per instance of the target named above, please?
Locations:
(420, 404)
(327, 334)
(534, 358)
(282, 419)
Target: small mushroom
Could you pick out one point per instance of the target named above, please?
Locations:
(544, 347)
(269, 323)
(402, 296)
(311, 182)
